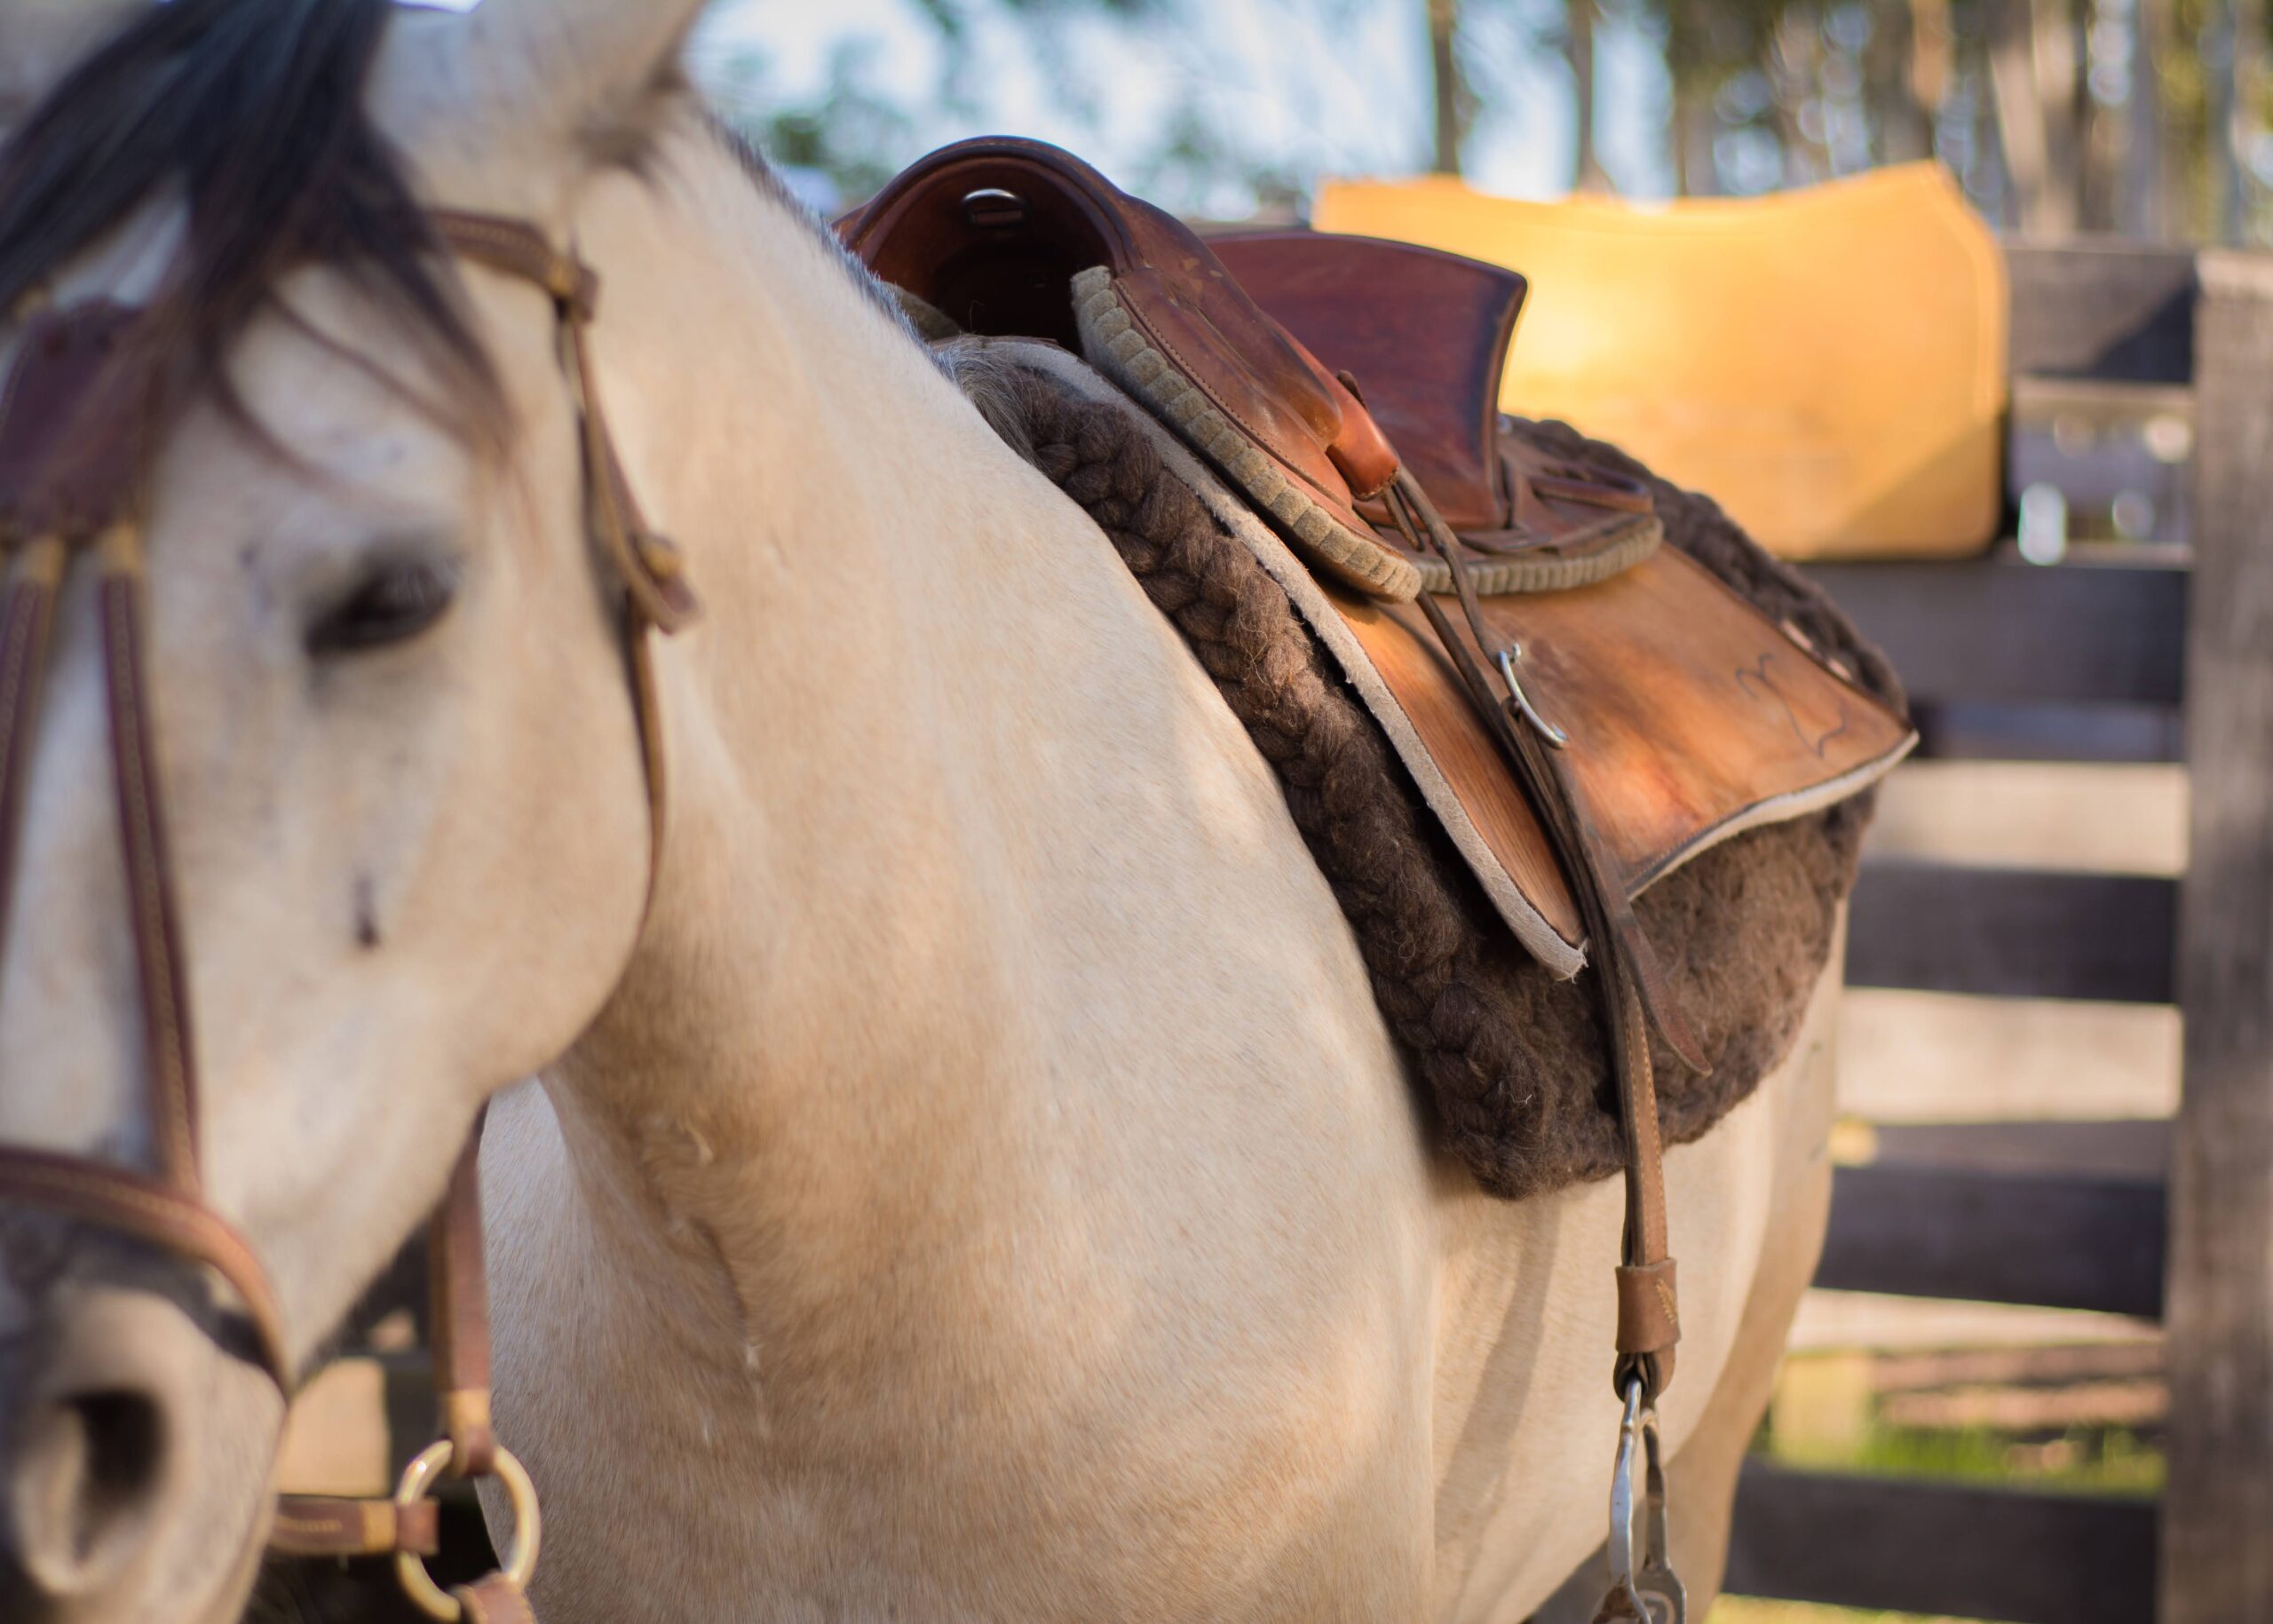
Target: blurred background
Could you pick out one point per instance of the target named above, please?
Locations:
(2142, 117)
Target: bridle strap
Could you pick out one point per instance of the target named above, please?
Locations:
(77, 417)
(73, 425)
(657, 598)
(653, 576)
(132, 1203)
(170, 1049)
(458, 1276)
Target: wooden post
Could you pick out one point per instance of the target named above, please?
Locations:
(2217, 1538)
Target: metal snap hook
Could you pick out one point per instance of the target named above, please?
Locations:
(1647, 1592)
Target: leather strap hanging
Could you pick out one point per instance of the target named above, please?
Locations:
(1634, 999)
(1634, 996)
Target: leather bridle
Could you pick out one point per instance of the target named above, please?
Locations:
(78, 420)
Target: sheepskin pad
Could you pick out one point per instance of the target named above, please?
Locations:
(1512, 1059)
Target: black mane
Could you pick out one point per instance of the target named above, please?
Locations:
(252, 111)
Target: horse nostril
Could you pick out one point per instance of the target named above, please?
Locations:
(121, 1452)
(84, 1481)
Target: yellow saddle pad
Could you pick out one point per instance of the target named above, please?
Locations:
(1829, 363)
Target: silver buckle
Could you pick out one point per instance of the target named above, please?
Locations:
(1506, 660)
(1649, 1593)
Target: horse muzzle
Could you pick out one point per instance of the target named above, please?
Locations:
(134, 1453)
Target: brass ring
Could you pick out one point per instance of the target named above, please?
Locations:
(520, 1554)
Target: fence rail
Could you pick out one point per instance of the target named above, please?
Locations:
(2078, 663)
(1950, 1550)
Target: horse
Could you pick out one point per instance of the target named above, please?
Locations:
(950, 1165)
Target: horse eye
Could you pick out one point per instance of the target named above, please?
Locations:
(392, 604)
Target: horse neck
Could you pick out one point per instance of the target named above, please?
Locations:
(927, 750)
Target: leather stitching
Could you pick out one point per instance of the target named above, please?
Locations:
(171, 1084)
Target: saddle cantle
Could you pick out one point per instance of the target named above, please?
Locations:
(1221, 338)
(1314, 372)
(1006, 236)
(1426, 335)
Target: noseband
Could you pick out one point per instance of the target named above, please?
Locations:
(78, 416)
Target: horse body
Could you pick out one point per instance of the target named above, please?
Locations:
(993, 1191)
(987, 1189)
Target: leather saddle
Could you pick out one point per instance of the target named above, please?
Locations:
(1224, 336)
(1610, 709)
(1321, 375)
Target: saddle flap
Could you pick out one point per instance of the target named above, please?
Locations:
(1425, 334)
(1691, 715)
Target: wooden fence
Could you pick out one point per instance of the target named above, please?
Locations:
(2089, 663)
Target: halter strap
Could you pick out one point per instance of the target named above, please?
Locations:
(78, 413)
(657, 598)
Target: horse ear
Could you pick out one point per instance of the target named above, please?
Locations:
(42, 40)
(570, 65)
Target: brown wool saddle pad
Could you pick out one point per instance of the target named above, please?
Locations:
(1512, 1056)
(1314, 379)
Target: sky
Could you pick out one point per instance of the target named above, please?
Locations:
(1335, 87)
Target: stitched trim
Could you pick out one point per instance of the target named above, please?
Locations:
(1547, 572)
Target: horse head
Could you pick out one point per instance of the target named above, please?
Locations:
(382, 706)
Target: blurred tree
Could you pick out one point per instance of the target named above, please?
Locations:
(1579, 18)
(844, 142)
(2145, 116)
(1895, 97)
(2146, 173)
(838, 146)
(1451, 101)
(2033, 58)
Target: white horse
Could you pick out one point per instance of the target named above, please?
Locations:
(983, 1188)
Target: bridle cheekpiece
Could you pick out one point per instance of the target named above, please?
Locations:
(79, 420)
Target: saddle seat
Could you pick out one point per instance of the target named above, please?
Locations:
(1314, 373)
